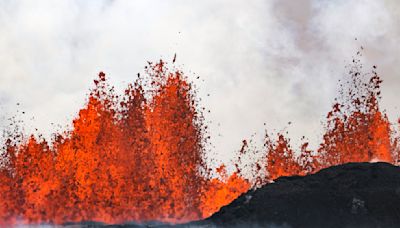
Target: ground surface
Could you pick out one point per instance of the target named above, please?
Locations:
(350, 195)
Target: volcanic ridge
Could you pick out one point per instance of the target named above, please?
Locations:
(349, 195)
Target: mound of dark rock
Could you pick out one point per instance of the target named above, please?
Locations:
(350, 195)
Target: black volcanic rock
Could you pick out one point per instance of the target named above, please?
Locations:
(350, 195)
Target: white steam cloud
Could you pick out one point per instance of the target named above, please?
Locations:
(262, 61)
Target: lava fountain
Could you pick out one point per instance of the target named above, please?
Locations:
(356, 130)
(137, 157)
(140, 156)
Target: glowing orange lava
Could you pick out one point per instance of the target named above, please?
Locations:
(140, 156)
(356, 131)
(132, 158)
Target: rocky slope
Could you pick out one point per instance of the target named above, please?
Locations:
(350, 195)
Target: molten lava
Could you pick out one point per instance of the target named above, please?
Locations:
(140, 156)
(131, 158)
(356, 131)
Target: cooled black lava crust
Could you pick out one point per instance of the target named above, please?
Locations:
(349, 195)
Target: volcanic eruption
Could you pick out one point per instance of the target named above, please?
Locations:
(140, 156)
(136, 157)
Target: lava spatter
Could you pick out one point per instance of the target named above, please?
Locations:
(135, 157)
(140, 156)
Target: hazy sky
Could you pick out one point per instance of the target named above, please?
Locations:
(262, 61)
